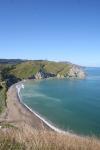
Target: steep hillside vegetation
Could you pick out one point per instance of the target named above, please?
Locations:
(30, 68)
(3, 88)
(57, 68)
(26, 69)
(3, 91)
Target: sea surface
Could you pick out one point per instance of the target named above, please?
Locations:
(71, 105)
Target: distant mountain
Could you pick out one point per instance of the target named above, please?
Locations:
(65, 62)
(11, 61)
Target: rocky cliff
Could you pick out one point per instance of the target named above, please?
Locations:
(76, 72)
(43, 75)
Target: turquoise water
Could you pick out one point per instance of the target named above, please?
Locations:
(69, 104)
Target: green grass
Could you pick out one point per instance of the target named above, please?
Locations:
(25, 70)
(2, 97)
(57, 68)
(30, 68)
(9, 144)
(7, 125)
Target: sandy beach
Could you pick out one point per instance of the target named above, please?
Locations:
(17, 114)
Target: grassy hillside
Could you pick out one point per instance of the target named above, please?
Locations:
(3, 90)
(56, 68)
(30, 68)
(25, 70)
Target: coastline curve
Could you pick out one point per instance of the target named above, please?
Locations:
(19, 87)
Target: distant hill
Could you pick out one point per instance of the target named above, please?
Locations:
(11, 61)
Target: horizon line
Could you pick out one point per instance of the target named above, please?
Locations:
(23, 59)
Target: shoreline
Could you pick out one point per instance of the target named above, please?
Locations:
(26, 115)
(47, 124)
(36, 114)
(20, 115)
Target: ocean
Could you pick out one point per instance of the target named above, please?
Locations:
(70, 105)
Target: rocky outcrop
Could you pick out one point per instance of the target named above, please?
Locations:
(60, 76)
(43, 75)
(76, 72)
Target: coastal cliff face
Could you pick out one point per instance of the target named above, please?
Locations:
(43, 75)
(76, 72)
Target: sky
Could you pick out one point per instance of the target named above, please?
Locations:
(60, 30)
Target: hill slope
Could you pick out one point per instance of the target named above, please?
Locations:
(30, 68)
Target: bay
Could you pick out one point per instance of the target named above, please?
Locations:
(71, 105)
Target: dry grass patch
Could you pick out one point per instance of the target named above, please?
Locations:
(30, 139)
